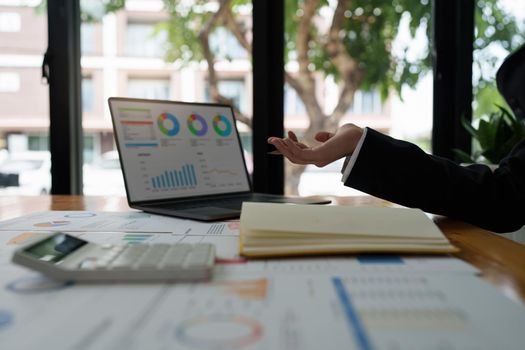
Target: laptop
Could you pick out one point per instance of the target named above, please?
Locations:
(184, 159)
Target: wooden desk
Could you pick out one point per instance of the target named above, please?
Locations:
(501, 261)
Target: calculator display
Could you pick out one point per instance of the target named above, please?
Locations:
(55, 248)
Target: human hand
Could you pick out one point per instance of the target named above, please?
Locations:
(333, 146)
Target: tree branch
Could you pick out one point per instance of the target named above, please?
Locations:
(303, 32)
(293, 82)
(204, 36)
(304, 84)
(335, 47)
(344, 63)
(237, 30)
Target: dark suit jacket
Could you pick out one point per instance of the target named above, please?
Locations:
(401, 172)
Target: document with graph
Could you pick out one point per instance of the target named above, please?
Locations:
(354, 311)
(363, 303)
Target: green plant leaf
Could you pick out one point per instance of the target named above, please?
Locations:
(470, 129)
(496, 135)
(462, 156)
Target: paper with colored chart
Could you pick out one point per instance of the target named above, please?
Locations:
(356, 311)
(365, 302)
(91, 221)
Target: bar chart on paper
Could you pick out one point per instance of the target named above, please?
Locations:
(183, 177)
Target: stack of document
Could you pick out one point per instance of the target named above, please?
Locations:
(270, 229)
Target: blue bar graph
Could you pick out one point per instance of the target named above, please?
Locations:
(175, 178)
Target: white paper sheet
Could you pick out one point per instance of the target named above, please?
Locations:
(363, 303)
(83, 221)
(355, 311)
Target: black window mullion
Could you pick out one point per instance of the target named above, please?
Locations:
(453, 40)
(268, 93)
(64, 77)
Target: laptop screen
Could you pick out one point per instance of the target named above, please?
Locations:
(175, 150)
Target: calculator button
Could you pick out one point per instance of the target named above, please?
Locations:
(137, 249)
(118, 249)
(123, 262)
(133, 252)
(101, 264)
(200, 256)
(183, 261)
(153, 256)
(87, 264)
(176, 255)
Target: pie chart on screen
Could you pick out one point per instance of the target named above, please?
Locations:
(168, 124)
(197, 125)
(222, 125)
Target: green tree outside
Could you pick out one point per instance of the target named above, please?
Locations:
(348, 40)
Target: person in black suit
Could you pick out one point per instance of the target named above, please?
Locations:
(401, 172)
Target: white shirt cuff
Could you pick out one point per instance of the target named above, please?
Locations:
(351, 159)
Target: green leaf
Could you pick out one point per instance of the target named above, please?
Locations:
(462, 156)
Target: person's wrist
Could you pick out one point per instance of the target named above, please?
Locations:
(355, 135)
(360, 132)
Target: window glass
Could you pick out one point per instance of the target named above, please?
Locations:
(10, 22)
(149, 88)
(233, 90)
(500, 29)
(225, 45)
(361, 62)
(38, 142)
(292, 102)
(88, 38)
(24, 157)
(9, 81)
(156, 52)
(87, 94)
(143, 40)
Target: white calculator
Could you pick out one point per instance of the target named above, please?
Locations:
(64, 257)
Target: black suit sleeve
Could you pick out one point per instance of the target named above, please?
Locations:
(402, 173)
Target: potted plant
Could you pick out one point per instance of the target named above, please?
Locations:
(494, 138)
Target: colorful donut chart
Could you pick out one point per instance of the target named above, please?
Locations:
(244, 332)
(168, 124)
(202, 127)
(222, 125)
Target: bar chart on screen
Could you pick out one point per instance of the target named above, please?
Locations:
(181, 177)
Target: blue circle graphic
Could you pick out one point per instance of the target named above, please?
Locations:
(168, 124)
(197, 125)
(222, 125)
(36, 284)
(6, 319)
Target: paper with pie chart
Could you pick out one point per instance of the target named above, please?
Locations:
(363, 303)
(176, 150)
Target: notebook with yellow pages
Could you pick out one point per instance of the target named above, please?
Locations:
(271, 229)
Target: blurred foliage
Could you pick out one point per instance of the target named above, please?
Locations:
(373, 25)
(90, 10)
(94, 10)
(186, 20)
(497, 33)
(369, 33)
(494, 137)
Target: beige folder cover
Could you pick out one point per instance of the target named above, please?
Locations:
(270, 229)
